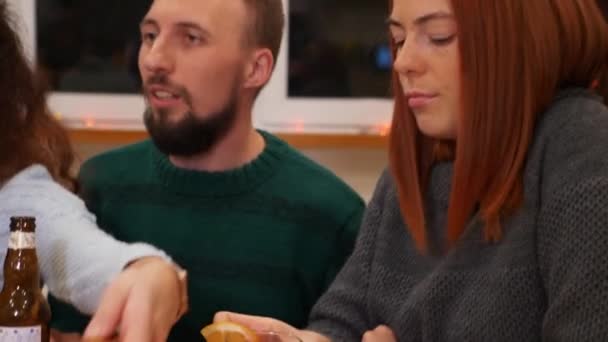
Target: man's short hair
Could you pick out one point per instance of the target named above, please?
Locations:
(266, 24)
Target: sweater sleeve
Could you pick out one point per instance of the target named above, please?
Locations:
(572, 245)
(77, 259)
(572, 222)
(341, 313)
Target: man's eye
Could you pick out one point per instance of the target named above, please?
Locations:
(193, 39)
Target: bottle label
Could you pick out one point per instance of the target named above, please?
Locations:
(21, 334)
(21, 240)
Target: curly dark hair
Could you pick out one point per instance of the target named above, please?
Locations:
(28, 132)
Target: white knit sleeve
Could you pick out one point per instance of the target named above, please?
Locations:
(77, 260)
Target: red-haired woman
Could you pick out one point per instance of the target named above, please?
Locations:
(77, 260)
(491, 223)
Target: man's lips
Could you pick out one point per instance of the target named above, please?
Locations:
(162, 97)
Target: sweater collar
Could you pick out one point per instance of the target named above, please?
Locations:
(223, 183)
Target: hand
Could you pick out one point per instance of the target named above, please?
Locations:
(381, 334)
(58, 336)
(142, 303)
(269, 324)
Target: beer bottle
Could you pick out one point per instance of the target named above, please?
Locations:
(24, 312)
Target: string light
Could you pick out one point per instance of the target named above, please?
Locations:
(89, 123)
(384, 129)
(299, 126)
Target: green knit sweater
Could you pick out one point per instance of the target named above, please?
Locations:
(265, 239)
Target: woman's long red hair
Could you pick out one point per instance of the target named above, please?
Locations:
(516, 54)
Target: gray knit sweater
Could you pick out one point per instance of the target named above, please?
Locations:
(546, 280)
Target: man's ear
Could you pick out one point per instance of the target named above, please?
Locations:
(259, 69)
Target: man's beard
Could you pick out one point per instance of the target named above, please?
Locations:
(190, 135)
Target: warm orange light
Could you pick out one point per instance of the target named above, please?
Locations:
(299, 126)
(89, 123)
(384, 129)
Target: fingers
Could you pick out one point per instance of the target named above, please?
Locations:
(107, 318)
(380, 334)
(255, 322)
(222, 316)
(141, 301)
(97, 339)
(137, 322)
(259, 323)
(311, 336)
(57, 336)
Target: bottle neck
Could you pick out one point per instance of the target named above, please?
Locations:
(21, 263)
